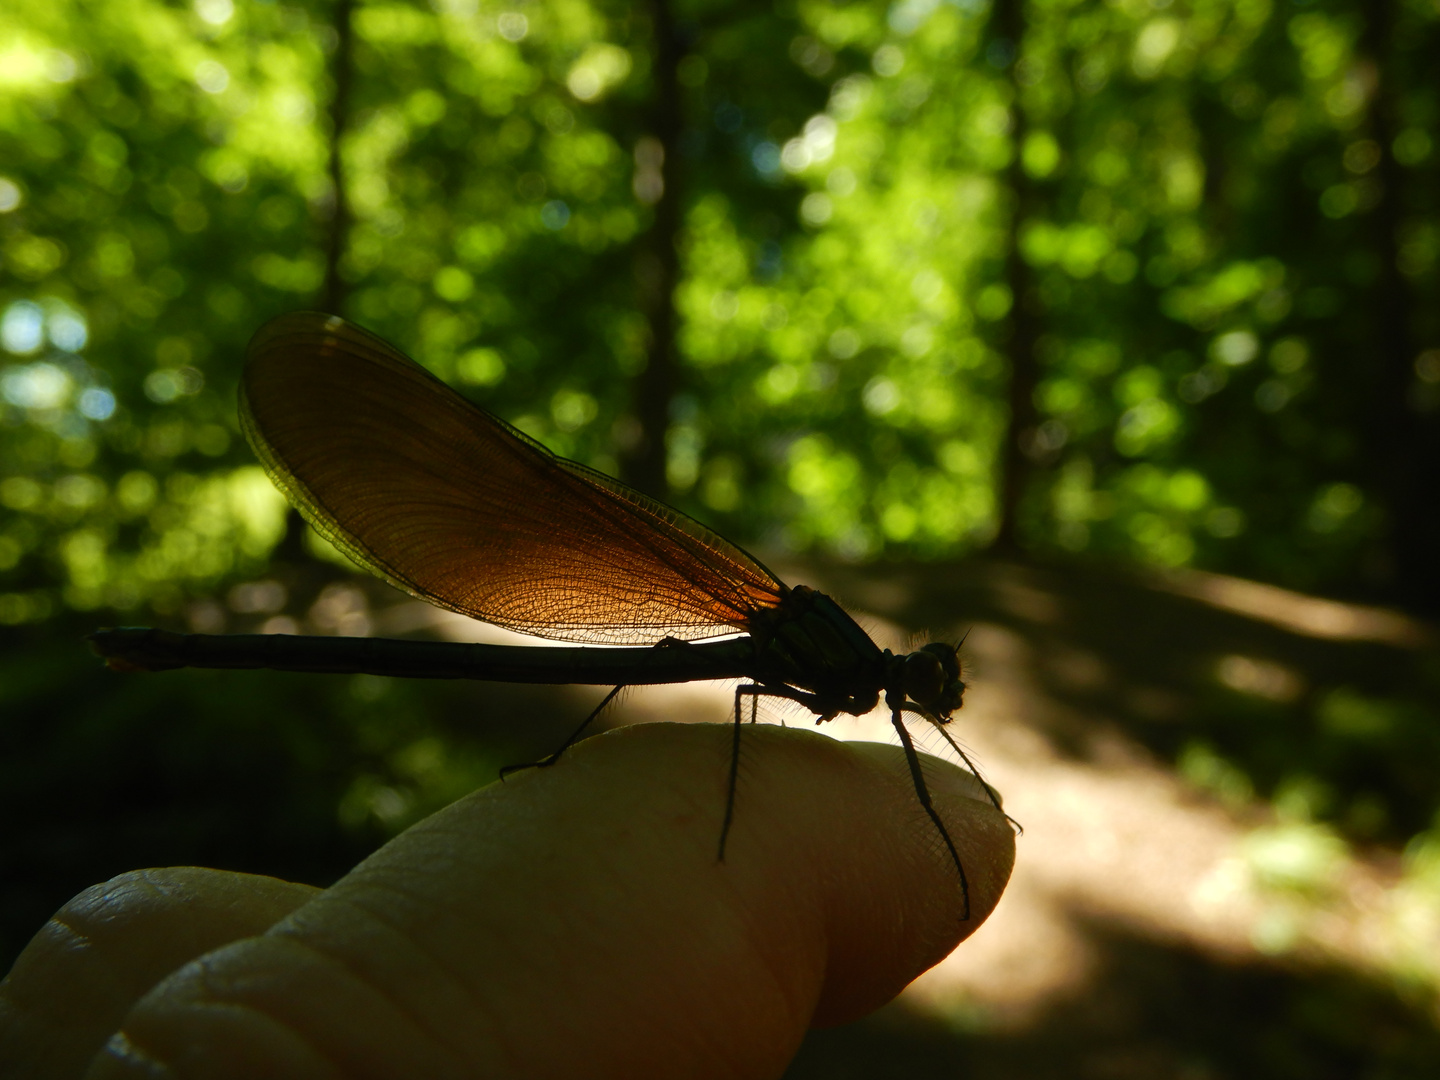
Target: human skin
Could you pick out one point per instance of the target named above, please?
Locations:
(570, 921)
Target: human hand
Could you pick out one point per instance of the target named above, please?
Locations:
(570, 921)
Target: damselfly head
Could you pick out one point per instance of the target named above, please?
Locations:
(932, 679)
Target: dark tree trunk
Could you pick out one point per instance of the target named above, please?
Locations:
(657, 268)
(1016, 465)
(1406, 442)
(333, 290)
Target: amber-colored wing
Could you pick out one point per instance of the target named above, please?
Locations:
(457, 507)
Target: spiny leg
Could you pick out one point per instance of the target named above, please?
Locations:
(944, 734)
(923, 794)
(550, 759)
(754, 693)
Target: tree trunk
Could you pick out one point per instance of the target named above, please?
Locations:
(1016, 465)
(657, 267)
(291, 548)
(334, 289)
(1406, 460)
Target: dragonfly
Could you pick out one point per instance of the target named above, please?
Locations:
(453, 505)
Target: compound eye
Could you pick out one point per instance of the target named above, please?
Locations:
(947, 657)
(924, 677)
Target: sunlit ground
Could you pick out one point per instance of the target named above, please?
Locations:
(1122, 839)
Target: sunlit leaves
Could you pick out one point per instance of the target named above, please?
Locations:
(148, 151)
(599, 69)
(1206, 300)
(195, 533)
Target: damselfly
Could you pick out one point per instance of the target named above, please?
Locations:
(456, 507)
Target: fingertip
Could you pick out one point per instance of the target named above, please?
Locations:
(915, 907)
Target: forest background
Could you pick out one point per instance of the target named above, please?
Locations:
(1136, 283)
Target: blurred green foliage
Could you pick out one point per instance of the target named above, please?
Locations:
(1199, 240)
(1226, 213)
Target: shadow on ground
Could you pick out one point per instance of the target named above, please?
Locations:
(1153, 1012)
